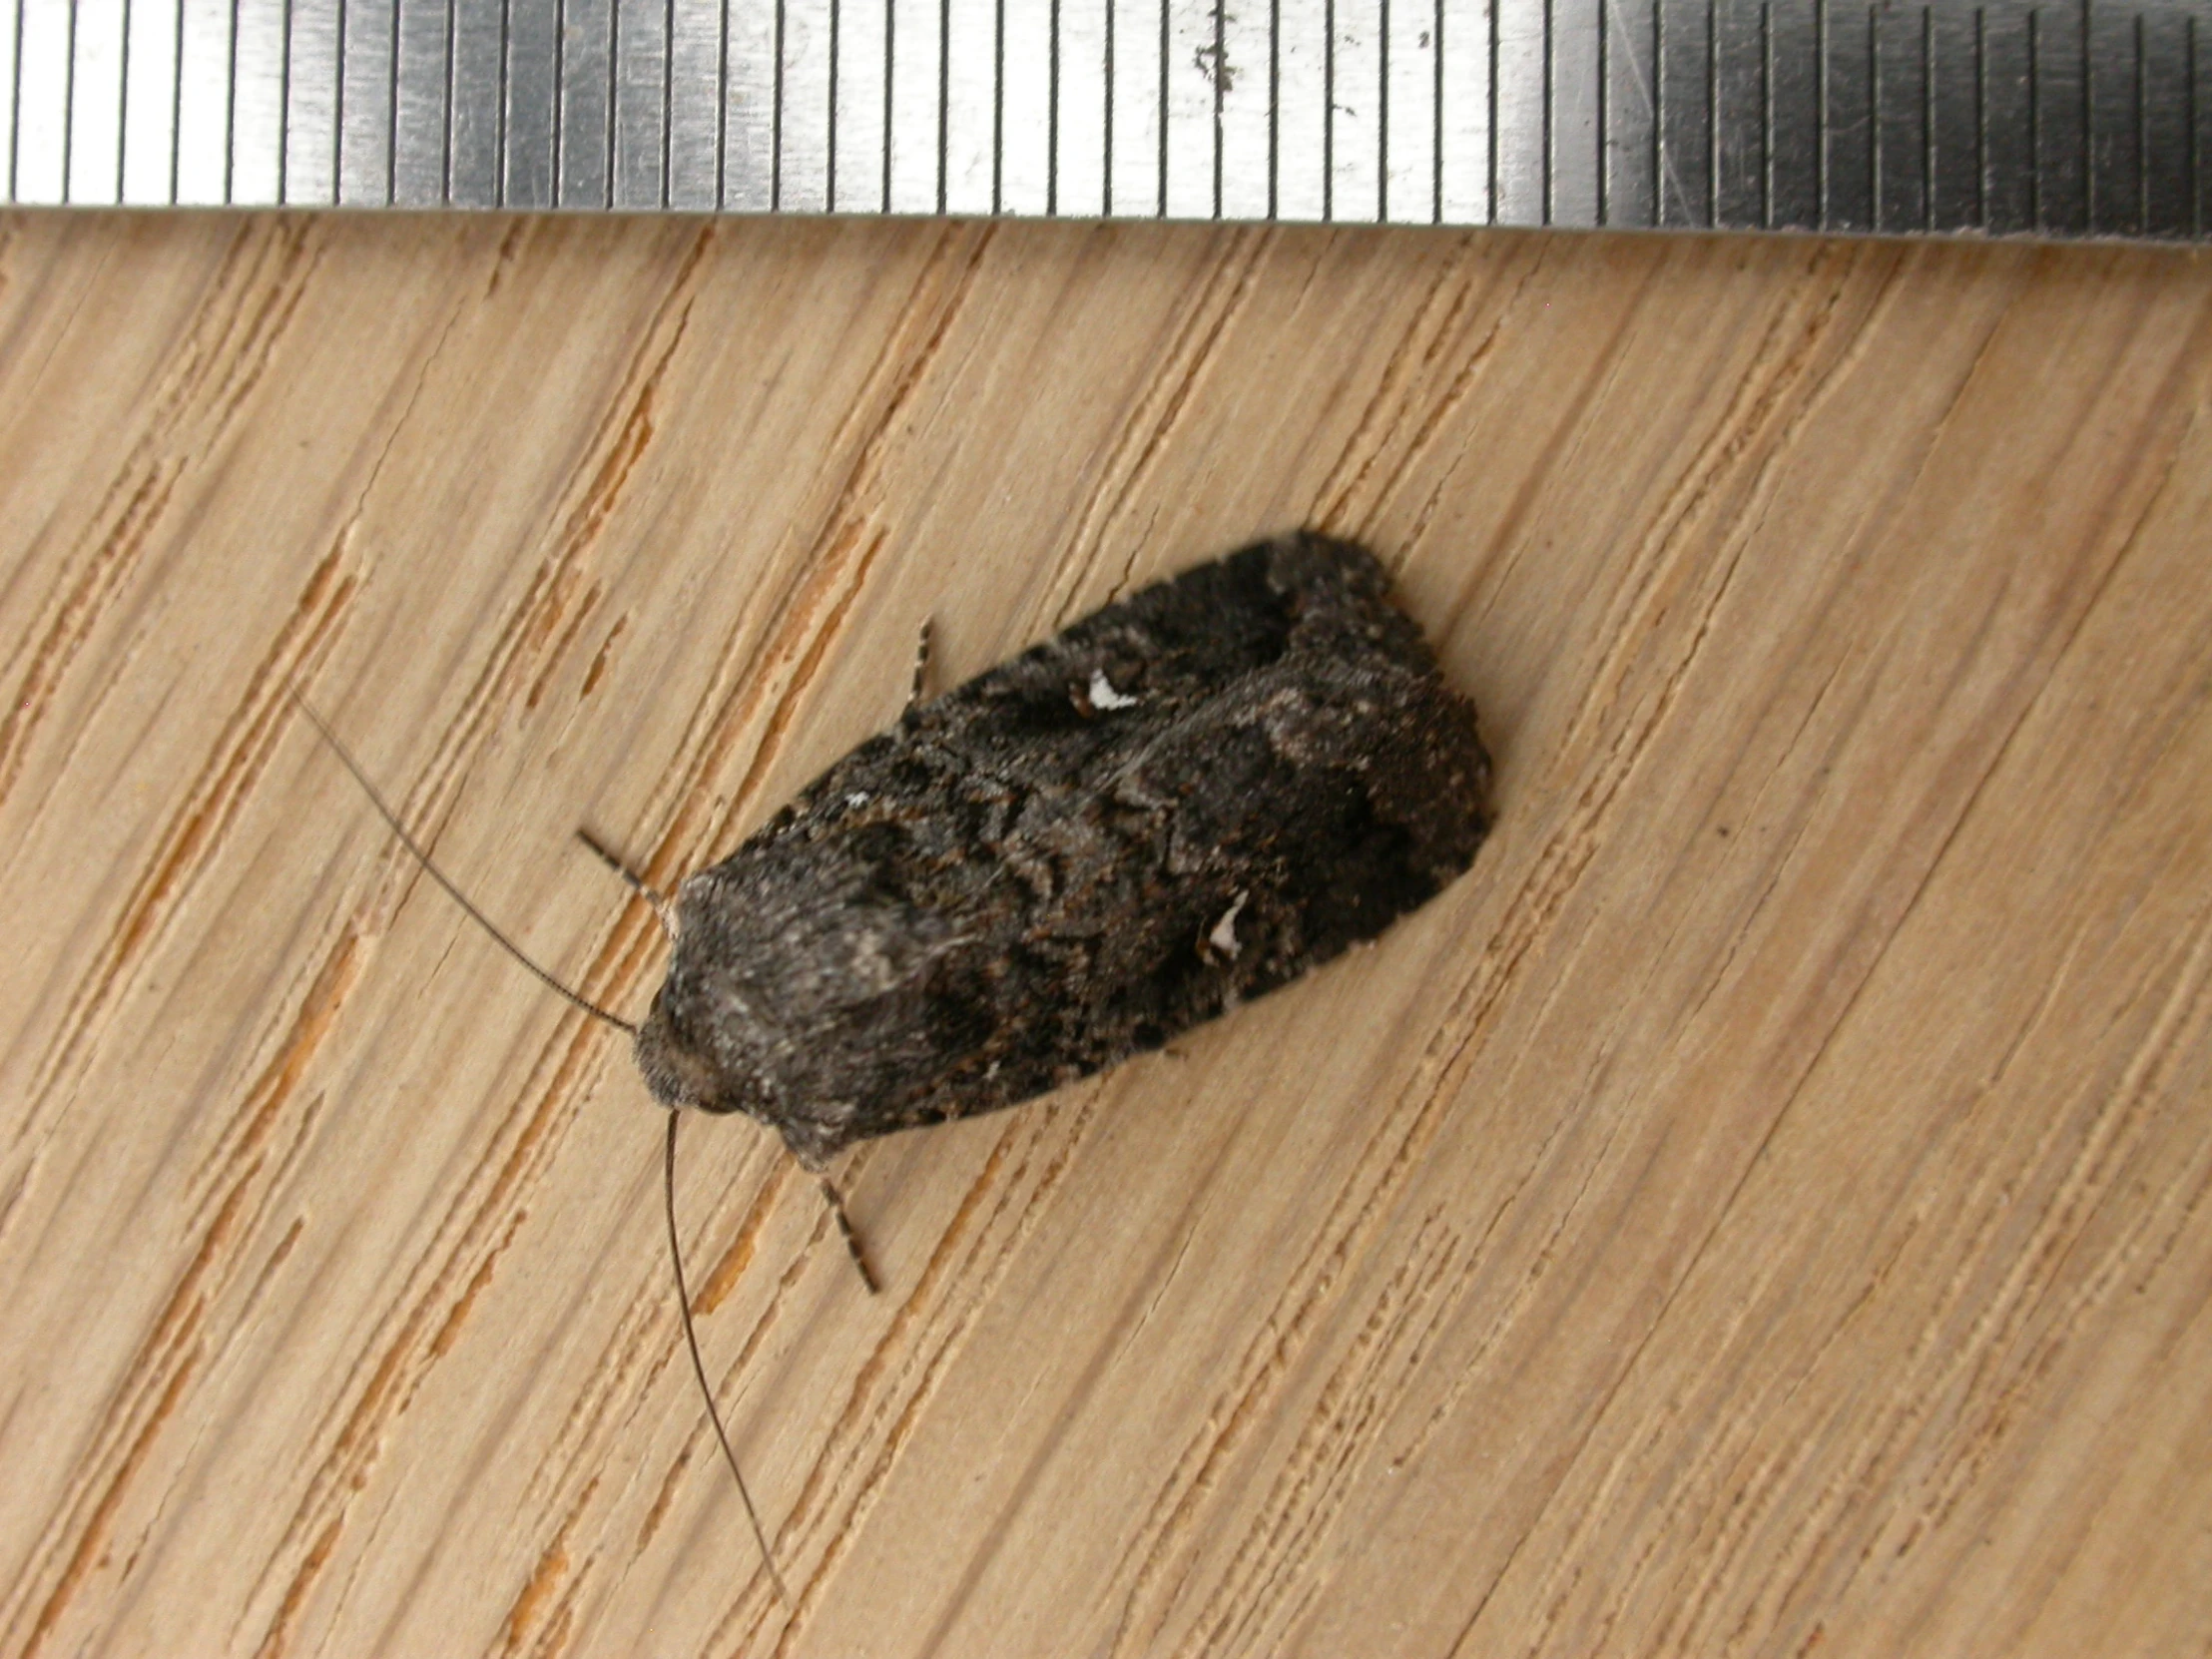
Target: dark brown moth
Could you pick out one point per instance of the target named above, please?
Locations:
(1173, 806)
(1180, 803)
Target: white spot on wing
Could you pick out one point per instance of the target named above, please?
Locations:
(1223, 939)
(1104, 697)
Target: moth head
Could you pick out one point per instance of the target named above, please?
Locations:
(676, 1072)
(685, 1066)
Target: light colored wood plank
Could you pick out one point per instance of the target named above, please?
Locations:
(1761, 1208)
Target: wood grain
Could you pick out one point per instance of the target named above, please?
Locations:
(1761, 1210)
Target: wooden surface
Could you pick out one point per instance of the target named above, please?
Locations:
(1762, 1210)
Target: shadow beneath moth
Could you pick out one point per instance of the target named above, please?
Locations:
(1176, 805)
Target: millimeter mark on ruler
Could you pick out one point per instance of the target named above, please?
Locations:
(2065, 120)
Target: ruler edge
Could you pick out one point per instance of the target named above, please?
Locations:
(2194, 175)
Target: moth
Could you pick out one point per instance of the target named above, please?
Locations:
(1176, 805)
(1180, 803)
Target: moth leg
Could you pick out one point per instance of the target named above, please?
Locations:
(851, 1238)
(920, 689)
(636, 882)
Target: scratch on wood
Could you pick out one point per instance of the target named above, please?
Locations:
(203, 385)
(1132, 453)
(1392, 408)
(193, 838)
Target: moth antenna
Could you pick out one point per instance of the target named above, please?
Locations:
(634, 882)
(699, 1365)
(851, 1238)
(438, 876)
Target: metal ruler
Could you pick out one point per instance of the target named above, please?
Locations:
(2075, 119)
